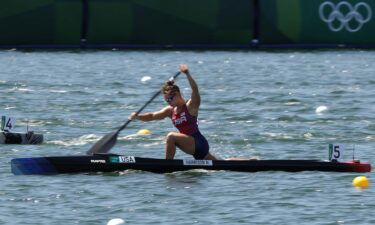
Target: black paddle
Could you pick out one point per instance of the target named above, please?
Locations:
(105, 144)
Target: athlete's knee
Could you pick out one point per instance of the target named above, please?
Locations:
(170, 137)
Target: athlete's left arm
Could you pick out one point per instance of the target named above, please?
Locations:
(195, 101)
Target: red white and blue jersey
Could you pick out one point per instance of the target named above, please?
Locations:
(184, 122)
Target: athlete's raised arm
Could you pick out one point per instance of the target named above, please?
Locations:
(195, 101)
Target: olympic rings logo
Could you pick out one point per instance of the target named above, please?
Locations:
(345, 18)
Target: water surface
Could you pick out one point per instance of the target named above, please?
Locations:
(254, 103)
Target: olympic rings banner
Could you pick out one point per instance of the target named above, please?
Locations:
(317, 22)
(186, 23)
(346, 16)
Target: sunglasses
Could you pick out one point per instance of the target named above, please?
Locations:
(170, 98)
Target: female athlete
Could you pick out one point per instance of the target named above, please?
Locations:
(184, 116)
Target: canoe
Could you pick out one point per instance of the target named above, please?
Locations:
(112, 162)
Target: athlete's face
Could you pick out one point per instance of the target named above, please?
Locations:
(169, 98)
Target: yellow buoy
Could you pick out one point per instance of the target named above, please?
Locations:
(143, 132)
(361, 182)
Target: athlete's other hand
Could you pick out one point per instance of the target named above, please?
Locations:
(184, 68)
(133, 116)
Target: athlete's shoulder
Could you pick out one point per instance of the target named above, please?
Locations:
(191, 109)
(168, 110)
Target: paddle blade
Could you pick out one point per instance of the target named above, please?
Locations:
(104, 144)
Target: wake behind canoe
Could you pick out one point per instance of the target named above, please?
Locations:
(113, 162)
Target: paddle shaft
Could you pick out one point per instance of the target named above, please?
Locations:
(109, 140)
(146, 104)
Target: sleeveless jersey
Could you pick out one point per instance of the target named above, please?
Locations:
(184, 122)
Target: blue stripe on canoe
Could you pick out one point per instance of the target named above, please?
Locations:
(24, 166)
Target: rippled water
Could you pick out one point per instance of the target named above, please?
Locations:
(270, 104)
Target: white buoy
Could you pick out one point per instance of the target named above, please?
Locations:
(116, 221)
(321, 109)
(145, 79)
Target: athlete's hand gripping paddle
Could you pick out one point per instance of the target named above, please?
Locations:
(105, 144)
